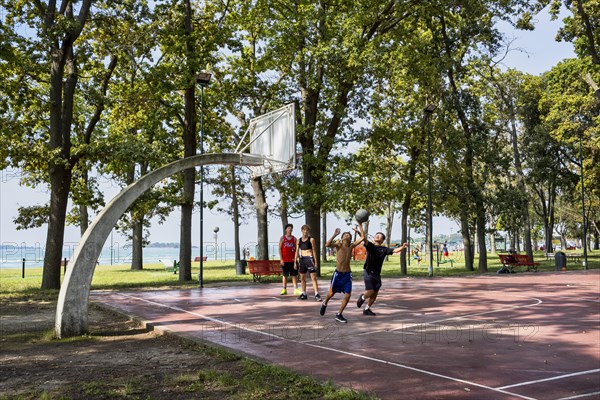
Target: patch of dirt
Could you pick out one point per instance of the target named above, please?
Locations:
(119, 359)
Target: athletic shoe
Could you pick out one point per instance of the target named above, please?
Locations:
(340, 318)
(317, 297)
(369, 312)
(360, 301)
(284, 291)
(297, 292)
(302, 297)
(323, 308)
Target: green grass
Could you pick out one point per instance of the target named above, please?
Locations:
(218, 272)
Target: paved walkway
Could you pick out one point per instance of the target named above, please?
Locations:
(527, 335)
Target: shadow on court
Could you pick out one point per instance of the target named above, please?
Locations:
(527, 335)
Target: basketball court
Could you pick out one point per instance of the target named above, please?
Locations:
(527, 335)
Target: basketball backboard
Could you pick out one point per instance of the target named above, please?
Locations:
(273, 136)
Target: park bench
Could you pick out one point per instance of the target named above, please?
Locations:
(510, 261)
(260, 268)
(571, 256)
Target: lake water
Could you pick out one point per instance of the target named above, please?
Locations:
(12, 254)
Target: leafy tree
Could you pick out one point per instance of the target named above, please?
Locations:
(57, 118)
(581, 27)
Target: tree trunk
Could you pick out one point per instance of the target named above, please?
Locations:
(262, 251)
(493, 243)
(239, 267)
(189, 149)
(61, 116)
(84, 219)
(415, 152)
(390, 223)
(520, 176)
(60, 183)
(481, 223)
(404, 236)
(59, 173)
(283, 201)
(389, 216)
(468, 246)
(185, 230)
(137, 245)
(324, 237)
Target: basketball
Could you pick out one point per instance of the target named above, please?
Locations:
(362, 215)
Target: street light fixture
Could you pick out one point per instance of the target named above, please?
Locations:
(203, 79)
(428, 112)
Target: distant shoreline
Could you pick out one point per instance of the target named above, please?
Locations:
(166, 245)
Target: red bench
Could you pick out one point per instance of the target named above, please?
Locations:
(518, 260)
(260, 268)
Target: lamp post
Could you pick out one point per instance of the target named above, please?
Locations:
(428, 111)
(216, 236)
(585, 263)
(203, 79)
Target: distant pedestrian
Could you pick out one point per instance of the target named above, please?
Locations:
(416, 255)
(376, 255)
(445, 250)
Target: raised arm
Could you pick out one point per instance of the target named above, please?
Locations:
(399, 249)
(337, 232)
(361, 233)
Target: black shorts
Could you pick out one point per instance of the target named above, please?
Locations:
(307, 265)
(288, 269)
(372, 281)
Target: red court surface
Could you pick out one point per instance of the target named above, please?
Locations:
(521, 336)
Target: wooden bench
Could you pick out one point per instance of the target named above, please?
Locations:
(260, 268)
(510, 261)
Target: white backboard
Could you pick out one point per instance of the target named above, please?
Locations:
(273, 136)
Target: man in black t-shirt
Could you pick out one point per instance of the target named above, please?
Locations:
(376, 254)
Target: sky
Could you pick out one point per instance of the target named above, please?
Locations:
(538, 53)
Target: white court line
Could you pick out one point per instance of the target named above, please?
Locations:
(591, 371)
(203, 316)
(579, 396)
(420, 371)
(537, 302)
(335, 350)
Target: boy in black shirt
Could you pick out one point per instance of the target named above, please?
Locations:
(376, 254)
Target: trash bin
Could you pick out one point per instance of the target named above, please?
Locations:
(240, 267)
(560, 261)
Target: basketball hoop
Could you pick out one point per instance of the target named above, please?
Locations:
(272, 137)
